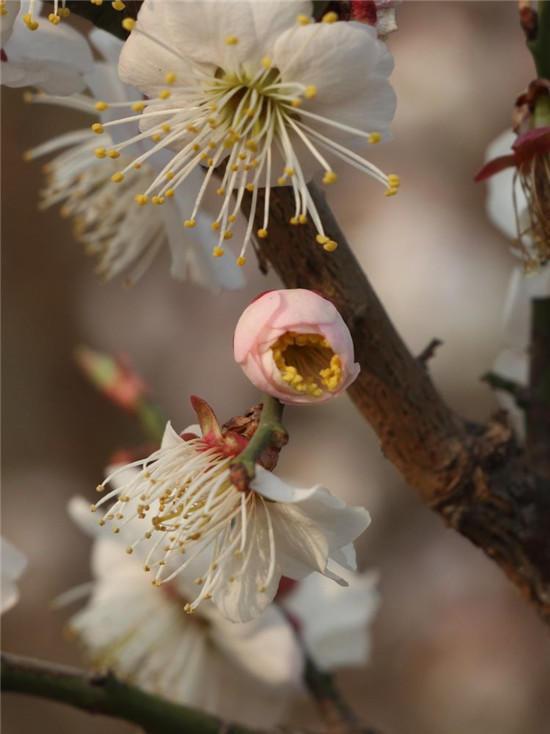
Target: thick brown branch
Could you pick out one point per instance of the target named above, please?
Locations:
(538, 408)
(473, 475)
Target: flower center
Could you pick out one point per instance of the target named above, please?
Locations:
(307, 363)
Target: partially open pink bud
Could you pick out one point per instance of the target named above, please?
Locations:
(295, 346)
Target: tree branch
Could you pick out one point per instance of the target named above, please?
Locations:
(538, 407)
(473, 475)
(105, 694)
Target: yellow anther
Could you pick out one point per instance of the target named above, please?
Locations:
(250, 187)
(169, 175)
(29, 21)
(289, 171)
(394, 180)
(138, 106)
(97, 127)
(232, 218)
(170, 77)
(240, 261)
(330, 246)
(117, 177)
(101, 106)
(192, 129)
(220, 191)
(210, 162)
(303, 19)
(27, 155)
(96, 2)
(118, 5)
(64, 12)
(196, 147)
(235, 167)
(296, 102)
(294, 220)
(281, 180)
(129, 24)
(231, 40)
(3, 9)
(215, 226)
(169, 193)
(266, 62)
(310, 91)
(141, 199)
(129, 550)
(156, 138)
(166, 127)
(100, 152)
(262, 233)
(390, 192)
(329, 177)
(165, 94)
(321, 239)
(54, 19)
(190, 223)
(218, 251)
(228, 234)
(302, 218)
(374, 138)
(157, 200)
(251, 145)
(330, 17)
(137, 165)
(113, 153)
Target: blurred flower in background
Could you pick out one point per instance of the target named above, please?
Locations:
(13, 563)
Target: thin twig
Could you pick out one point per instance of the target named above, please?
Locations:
(429, 351)
(517, 391)
(264, 446)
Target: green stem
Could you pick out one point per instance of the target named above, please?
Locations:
(268, 439)
(151, 419)
(106, 695)
(540, 45)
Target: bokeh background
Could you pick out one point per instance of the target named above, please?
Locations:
(455, 649)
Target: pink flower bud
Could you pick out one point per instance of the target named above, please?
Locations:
(295, 346)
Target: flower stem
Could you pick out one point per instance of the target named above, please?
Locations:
(105, 694)
(539, 45)
(264, 446)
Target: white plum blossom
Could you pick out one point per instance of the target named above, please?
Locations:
(246, 673)
(262, 88)
(52, 58)
(513, 360)
(13, 563)
(334, 621)
(126, 238)
(240, 542)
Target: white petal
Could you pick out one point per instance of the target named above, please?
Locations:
(170, 438)
(13, 564)
(271, 487)
(334, 620)
(500, 206)
(107, 44)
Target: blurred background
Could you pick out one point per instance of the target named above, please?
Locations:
(455, 649)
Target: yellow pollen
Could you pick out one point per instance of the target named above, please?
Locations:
(250, 186)
(266, 62)
(97, 128)
(215, 226)
(394, 180)
(310, 91)
(330, 246)
(54, 19)
(218, 251)
(113, 154)
(96, 2)
(307, 363)
(156, 137)
(390, 192)
(166, 127)
(100, 152)
(289, 171)
(190, 223)
(240, 261)
(281, 180)
(232, 218)
(220, 191)
(330, 177)
(138, 106)
(158, 200)
(101, 106)
(3, 9)
(165, 94)
(141, 199)
(374, 138)
(169, 175)
(231, 40)
(117, 177)
(294, 220)
(303, 20)
(262, 233)
(137, 166)
(29, 21)
(330, 17)
(251, 145)
(169, 193)
(118, 5)
(321, 239)
(228, 234)
(64, 12)
(296, 102)
(302, 218)
(170, 77)
(128, 24)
